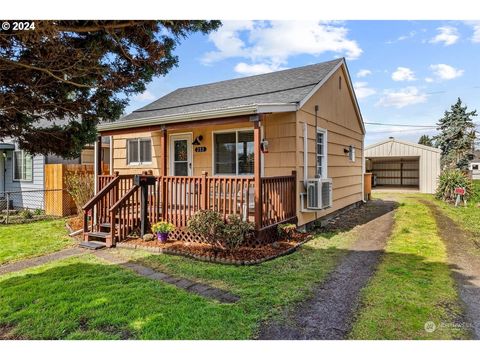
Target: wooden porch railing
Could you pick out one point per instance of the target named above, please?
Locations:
(125, 214)
(110, 189)
(177, 198)
(278, 199)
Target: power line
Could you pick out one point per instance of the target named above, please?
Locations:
(405, 125)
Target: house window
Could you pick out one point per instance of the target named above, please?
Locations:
(475, 167)
(139, 151)
(22, 166)
(322, 153)
(233, 153)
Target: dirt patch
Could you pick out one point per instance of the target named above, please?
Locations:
(358, 216)
(7, 332)
(464, 259)
(203, 251)
(331, 310)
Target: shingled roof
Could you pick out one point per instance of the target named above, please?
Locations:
(281, 87)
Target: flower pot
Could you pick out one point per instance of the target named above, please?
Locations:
(162, 237)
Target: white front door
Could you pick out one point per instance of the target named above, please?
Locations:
(181, 155)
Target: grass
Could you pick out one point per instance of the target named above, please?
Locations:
(33, 239)
(82, 298)
(412, 285)
(468, 217)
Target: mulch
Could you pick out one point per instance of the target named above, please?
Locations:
(75, 223)
(206, 252)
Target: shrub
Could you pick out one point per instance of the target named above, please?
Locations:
(210, 225)
(235, 231)
(38, 212)
(451, 179)
(26, 214)
(217, 232)
(286, 230)
(162, 227)
(80, 186)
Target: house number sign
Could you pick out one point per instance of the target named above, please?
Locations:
(200, 149)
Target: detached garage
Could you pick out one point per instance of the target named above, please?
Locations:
(402, 164)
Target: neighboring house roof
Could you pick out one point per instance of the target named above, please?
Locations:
(403, 142)
(278, 91)
(7, 146)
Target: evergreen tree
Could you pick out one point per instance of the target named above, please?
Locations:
(425, 140)
(81, 71)
(456, 136)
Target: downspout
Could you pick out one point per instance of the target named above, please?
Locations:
(305, 154)
(316, 146)
(363, 169)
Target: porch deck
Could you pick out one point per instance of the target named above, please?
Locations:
(115, 210)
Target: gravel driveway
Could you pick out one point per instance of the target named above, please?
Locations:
(330, 312)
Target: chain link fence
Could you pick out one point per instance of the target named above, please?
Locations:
(31, 205)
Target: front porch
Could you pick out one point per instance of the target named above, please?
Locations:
(114, 213)
(214, 165)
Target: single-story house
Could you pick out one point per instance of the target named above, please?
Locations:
(23, 175)
(286, 146)
(474, 167)
(397, 163)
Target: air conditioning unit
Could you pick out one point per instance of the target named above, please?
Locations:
(319, 194)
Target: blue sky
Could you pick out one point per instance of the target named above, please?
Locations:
(404, 72)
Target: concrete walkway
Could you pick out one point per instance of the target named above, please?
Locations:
(185, 284)
(330, 312)
(39, 260)
(464, 259)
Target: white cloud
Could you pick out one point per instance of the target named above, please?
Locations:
(145, 96)
(448, 35)
(403, 74)
(410, 35)
(363, 73)
(273, 42)
(362, 90)
(401, 98)
(446, 72)
(429, 80)
(255, 69)
(476, 30)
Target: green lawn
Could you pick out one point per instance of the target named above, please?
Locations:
(413, 283)
(82, 298)
(33, 239)
(467, 217)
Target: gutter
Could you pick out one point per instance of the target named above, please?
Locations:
(199, 115)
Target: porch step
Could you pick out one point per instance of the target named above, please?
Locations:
(98, 234)
(92, 245)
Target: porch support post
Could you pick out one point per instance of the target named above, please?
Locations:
(97, 162)
(163, 172)
(257, 172)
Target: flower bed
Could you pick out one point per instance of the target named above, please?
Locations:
(206, 252)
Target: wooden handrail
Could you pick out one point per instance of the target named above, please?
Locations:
(101, 194)
(124, 198)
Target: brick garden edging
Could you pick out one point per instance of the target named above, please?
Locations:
(211, 259)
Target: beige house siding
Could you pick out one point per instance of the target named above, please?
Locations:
(278, 129)
(336, 114)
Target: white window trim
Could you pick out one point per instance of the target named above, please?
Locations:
(324, 174)
(13, 169)
(171, 150)
(236, 140)
(136, 163)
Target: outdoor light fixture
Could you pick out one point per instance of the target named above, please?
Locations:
(197, 140)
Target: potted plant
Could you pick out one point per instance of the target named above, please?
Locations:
(162, 228)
